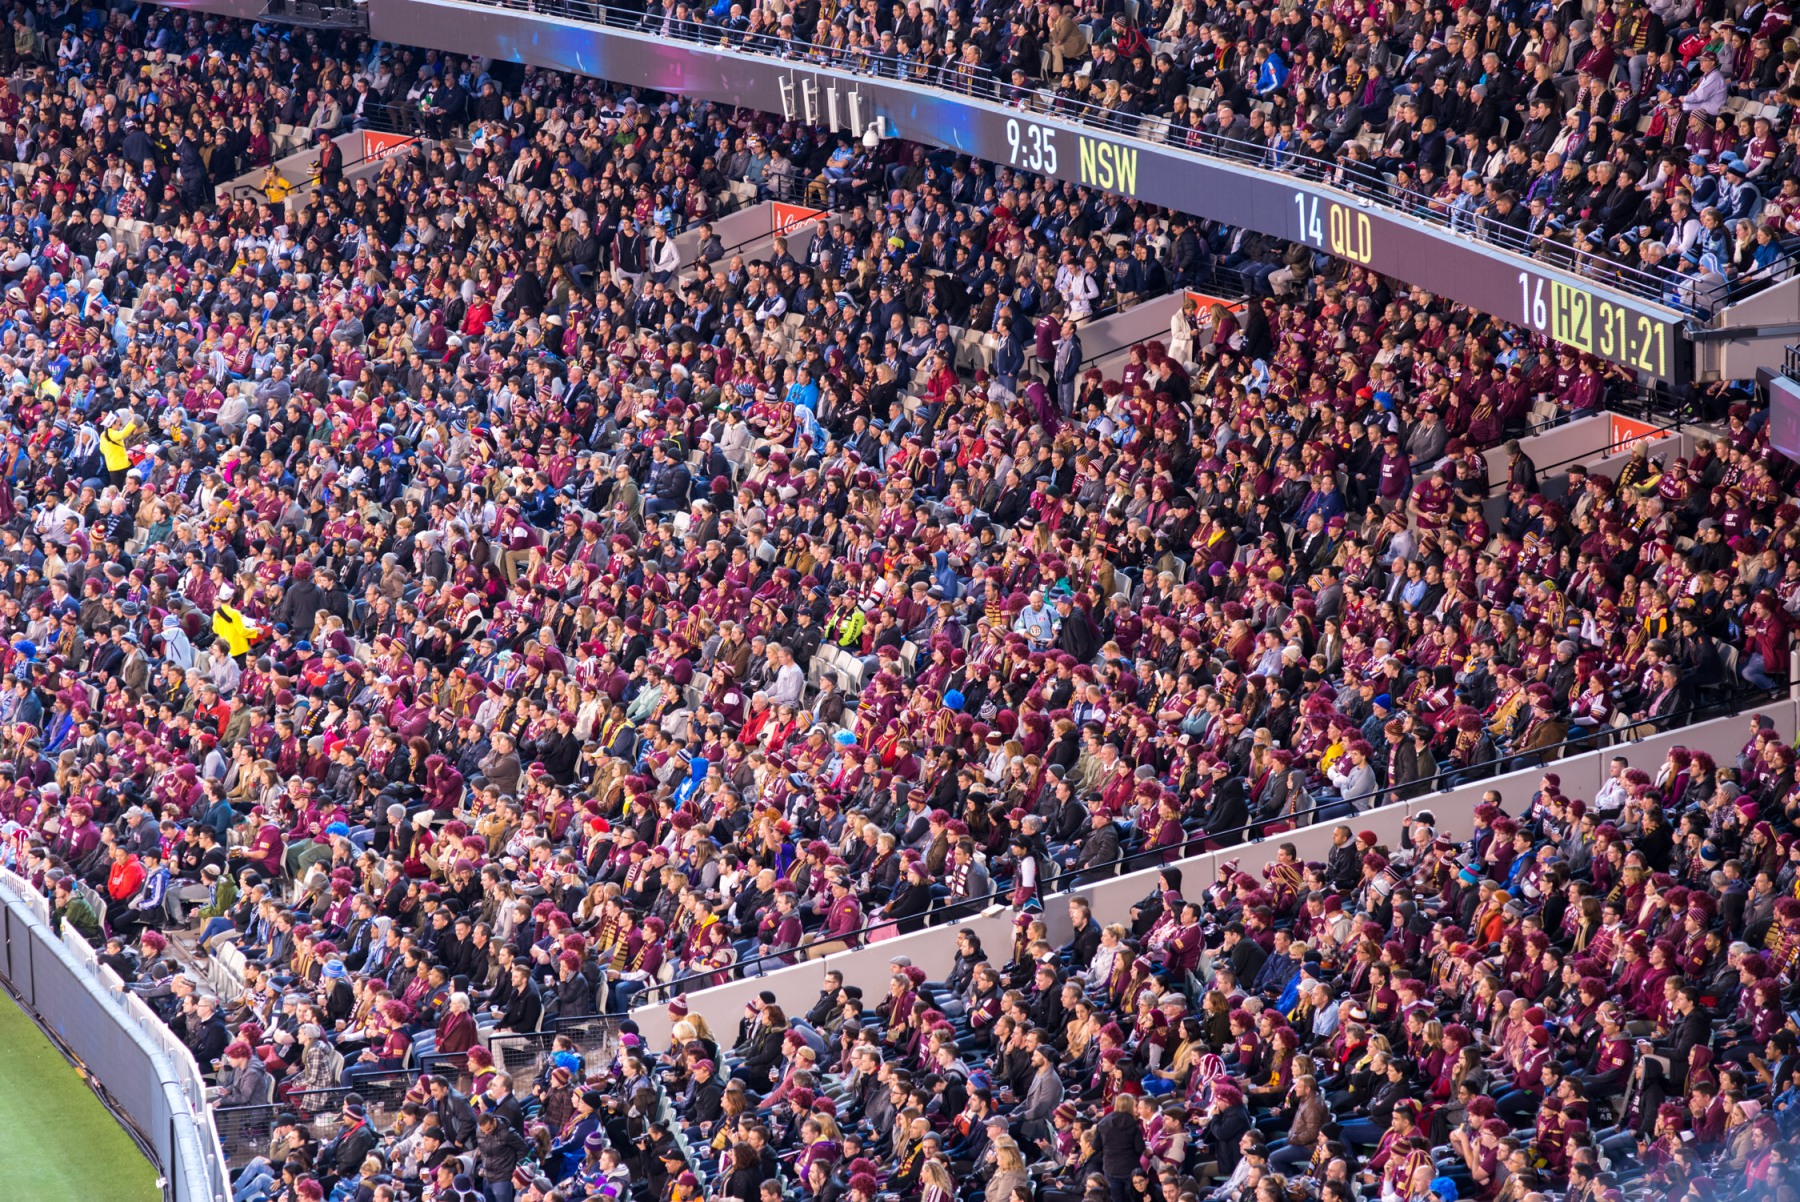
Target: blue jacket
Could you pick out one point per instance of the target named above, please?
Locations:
(156, 885)
(1326, 504)
(945, 577)
(1009, 361)
(1270, 75)
(1736, 202)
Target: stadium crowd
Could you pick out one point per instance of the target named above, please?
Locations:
(1650, 144)
(477, 611)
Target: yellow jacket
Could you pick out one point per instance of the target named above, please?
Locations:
(112, 445)
(232, 629)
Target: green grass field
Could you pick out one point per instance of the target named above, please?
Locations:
(56, 1139)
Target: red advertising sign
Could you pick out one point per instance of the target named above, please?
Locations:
(1628, 432)
(377, 145)
(1206, 302)
(787, 217)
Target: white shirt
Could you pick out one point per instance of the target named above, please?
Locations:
(790, 684)
(1611, 797)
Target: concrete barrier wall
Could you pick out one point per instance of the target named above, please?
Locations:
(1742, 356)
(1586, 442)
(1565, 443)
(148, 1076)
(1454, 809)
(734, 229)
(761, 247)
(934, 950)
(1105, 341)
(796, 987)
(1677, 444)
(295, 168)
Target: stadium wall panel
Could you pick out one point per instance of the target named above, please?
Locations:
(149, 1076)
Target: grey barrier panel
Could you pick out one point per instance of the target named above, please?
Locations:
(151, 1079)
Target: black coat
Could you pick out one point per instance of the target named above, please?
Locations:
(344, 1155)
(1084, 943)
(909, 906)
(208, 1040)
(1077, 635)
(745, 1185)
(762, 1057)
(1227, 812)
(299, 604)
(1224, 1132)
(1099, 851)
(1247, 960)
(574, 997)
(501, 1148)
(523, 1011)
(1120, 1139)
(708, 1101)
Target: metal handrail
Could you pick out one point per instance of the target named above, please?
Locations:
(1194, 841)
(1661, 427)
(244, 1126)
(1595, 739)
(385, 116)
(1358, 180)
(1750, 283)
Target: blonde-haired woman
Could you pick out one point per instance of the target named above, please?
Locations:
(255, 786)
(935, 1182)
(317, 1069)
(702, 1029)
(588, 912)
(1009, 1172)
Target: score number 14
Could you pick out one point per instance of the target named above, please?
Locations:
(1345, 232)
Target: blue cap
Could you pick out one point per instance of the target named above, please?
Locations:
(338, 829)
(1385, 701)
(1444, 1188)
(953, 700)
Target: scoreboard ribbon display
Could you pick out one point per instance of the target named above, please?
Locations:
(1640, 334)
(1632, 331)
